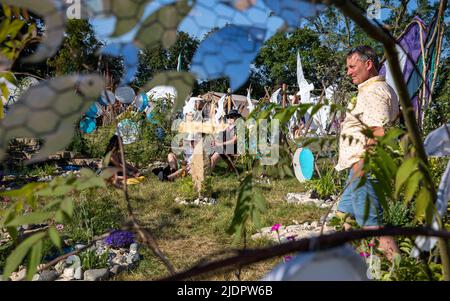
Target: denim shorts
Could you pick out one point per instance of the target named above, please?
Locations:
(353, 202)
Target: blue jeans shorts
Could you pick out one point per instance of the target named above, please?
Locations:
(353, 202)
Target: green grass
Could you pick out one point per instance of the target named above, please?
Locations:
(188, 233)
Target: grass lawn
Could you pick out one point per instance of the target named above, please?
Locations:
(187, 234)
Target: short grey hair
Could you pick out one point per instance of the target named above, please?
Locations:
(365, 53)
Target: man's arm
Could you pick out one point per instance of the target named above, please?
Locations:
(378, 131)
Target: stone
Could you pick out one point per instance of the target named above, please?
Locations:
(69, 273)
(132, 258)
(78, 275)
(314, 224)
(117, 269)
(48, 275)
(257, 236)
(96, 275)
(73, 259)
(197, 202)
(19, 276)
(59, 267)
(79, 246)
(35, 277)
(134, 248)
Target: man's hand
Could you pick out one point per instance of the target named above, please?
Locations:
(358, 169)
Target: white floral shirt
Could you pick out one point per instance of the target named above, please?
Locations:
(376, 105)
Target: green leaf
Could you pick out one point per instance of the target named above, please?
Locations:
(14, 28)
(284, 115)
(392, 135)
(4, 30)
(388, 161)
(412, 185)
(316, 109)
(423, 202)
(67, 207)
(6, 11)
(16, 257)
(35, 259)
(59, 217)
(52, 204)
(404, 172)
(30, 219)
(54, 237)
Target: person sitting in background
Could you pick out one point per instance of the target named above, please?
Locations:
(178, 167)
(115, 161)
(227, 147)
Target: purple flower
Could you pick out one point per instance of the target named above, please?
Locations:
(119, 239)
(287, 258)
(276, 227)
(371, 244)
(59, 227)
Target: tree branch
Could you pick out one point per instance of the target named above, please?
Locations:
(324, 242)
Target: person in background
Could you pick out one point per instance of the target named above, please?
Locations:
(376, 106)
(115, 161)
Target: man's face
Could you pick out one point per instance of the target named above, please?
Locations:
(231, 121)
(358, 70)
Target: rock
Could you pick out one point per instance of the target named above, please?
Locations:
(79, 246)
(132, 258)
(78, 275)
(48, 275)
(179, 200)
(69, 273)
(19, 276)
(134, 248)
(73, 259)
(293, 228)
(197, 202)
(266, 230)
(314, 224)
(96, 275)
(257, 236)
(35, 277)
(117, 269)
(59, 267)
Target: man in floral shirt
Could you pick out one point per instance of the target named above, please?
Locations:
(376, 106)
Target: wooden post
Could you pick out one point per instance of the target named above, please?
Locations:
(229, 101)
(284, 102)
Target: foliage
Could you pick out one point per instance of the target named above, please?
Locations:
(398, 215)
(326, 185)
(249, 207)
(15, 33)
(79, 52)
(277, 60)
(438, 112)
(94, 215)
(41, 202)
(90, 260)
(152, 61)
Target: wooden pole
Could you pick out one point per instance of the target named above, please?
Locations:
(284, 102)
(229, 101)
